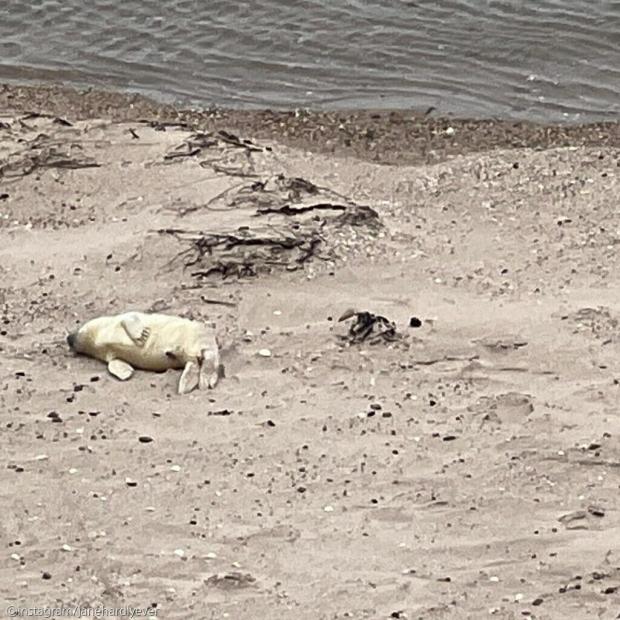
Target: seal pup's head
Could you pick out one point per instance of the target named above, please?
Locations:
(83, 339)
(76, 342)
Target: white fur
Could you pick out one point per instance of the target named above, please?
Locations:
(152, 342)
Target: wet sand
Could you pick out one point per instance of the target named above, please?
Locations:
(468, 469)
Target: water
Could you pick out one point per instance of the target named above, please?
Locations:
(524, 59)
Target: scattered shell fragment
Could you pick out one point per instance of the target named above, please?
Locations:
(264, 353)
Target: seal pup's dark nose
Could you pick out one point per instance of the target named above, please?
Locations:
(71, 340)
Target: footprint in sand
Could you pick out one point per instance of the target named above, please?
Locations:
(506, 408)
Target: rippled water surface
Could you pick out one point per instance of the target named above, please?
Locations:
(536, 59)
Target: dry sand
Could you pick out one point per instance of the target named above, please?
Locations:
(470, 469)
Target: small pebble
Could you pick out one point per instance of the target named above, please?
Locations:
(130, 483)
(264, 353)
(67, 548)
(175, 468)
(179, 552)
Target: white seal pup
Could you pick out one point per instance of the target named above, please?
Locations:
(151, 342)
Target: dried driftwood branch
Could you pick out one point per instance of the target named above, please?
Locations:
(289, 241)
(22, 164)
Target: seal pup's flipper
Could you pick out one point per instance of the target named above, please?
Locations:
(136, 329)
(209, 368)
(121, 370)
(190, 377)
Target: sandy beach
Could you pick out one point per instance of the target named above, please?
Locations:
(466, 468)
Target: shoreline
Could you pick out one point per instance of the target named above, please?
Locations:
(380, 136)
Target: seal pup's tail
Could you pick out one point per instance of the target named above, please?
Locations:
(209, 368)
